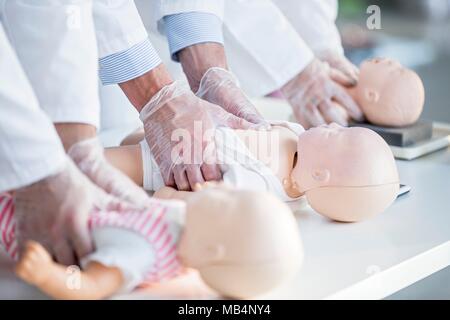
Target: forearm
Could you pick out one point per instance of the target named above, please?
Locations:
(197, 59)
(141, 89)
(71, 133)
(196, 40)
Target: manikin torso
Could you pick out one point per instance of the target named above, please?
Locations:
(281, 162)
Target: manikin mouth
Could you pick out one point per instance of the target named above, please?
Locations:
(294, 161)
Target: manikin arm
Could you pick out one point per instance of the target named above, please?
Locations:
(128, 159)
(37, 268)
(171, 193)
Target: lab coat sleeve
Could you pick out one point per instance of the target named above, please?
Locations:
(263, 48)
(29, 146)
(315, 21)
(189, 22)
(55, 43)
(124, 48)
(190, 28)
(169, 7)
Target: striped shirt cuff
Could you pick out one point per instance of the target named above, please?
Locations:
(190, 28)
(129, 64)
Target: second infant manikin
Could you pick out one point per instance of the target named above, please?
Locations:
(346, 174)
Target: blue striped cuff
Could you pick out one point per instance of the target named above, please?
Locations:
(129, 64)
(186, 29)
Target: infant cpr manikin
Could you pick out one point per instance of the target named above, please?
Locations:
(389, 94)
(243, 244)
(346, 174)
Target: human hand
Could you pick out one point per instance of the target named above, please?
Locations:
(89, 157)
(176, 113)
(312, 93)
(54, 212)
(342, 70)
(219, 86)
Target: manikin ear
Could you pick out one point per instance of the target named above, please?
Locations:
(371, 95)
(321, 175)
(199, 257)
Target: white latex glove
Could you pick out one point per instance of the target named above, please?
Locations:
(54, 212)
(311, 95)
(176, 107)
(220, 87)
(342, 70)
(88, 155)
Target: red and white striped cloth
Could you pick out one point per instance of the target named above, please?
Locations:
(8, 225)
(151, 223)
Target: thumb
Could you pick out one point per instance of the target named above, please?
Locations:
(224, 118)
(342, 78)
(258, 121)
(235, 122)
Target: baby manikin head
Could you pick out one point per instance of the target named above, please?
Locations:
(347, 174)
(388, 93)
(243, 243)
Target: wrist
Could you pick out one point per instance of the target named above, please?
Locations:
(72, 133)
(199, 58)
(313, 71)
(141, 89)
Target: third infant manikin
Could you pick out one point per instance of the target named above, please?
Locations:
(389, 94)
(243, 244)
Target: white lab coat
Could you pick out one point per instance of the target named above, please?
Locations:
(263, 48)
(55, 43)
(50, 44)
(267, 42)
(118, 26)
(315, 22)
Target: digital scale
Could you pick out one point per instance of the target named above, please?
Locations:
(414, 141)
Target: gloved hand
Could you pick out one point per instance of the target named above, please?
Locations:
(311, 95)
(220, 87)
(54, 211)
(175, 114)
(342, 70)
(89, 157)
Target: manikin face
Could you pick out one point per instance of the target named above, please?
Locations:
(332, 156)
(243, 243)
(389, 94)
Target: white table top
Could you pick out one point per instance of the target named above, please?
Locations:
(368, 260)
(376, 258)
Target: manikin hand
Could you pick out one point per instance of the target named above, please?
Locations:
(54, 211)
(179, 128)
(342, 70)
(220, 87)
(89, 157)
(311, 95)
